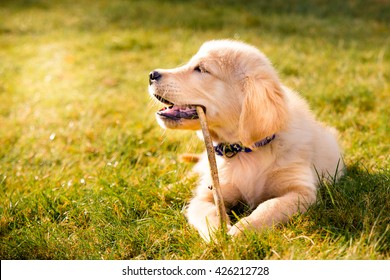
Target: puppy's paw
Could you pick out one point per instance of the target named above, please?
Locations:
(239, 227)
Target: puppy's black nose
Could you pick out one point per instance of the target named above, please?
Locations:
(154, 76)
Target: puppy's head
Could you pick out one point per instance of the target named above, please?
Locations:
(234, 82)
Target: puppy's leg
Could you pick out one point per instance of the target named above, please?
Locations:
(202, 211)
(292, 196)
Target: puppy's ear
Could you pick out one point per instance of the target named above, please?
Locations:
(263, 111)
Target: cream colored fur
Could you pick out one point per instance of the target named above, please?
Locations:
(246, 102)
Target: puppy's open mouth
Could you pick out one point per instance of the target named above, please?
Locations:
(177, 112)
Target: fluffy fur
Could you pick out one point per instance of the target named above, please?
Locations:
(246, 102)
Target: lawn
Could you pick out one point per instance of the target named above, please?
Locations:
(86, 172)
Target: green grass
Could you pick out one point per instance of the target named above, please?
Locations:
(86, 173)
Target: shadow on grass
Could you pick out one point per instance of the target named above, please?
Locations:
(355, 207)
(202, 15)
(378, 10)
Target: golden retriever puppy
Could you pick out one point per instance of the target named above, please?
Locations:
(271, 152)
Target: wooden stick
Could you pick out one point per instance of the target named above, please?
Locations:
(218, 199)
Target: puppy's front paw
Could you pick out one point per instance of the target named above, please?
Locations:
(234, 231)
(239, 227)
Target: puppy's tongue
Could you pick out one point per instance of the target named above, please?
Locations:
(179, 112)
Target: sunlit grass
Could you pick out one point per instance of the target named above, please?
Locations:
(86, 173)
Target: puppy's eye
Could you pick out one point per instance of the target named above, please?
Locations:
(200, 69)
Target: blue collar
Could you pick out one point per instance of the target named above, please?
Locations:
(230, 150)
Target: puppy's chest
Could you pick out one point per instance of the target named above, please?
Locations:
(248, 176)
